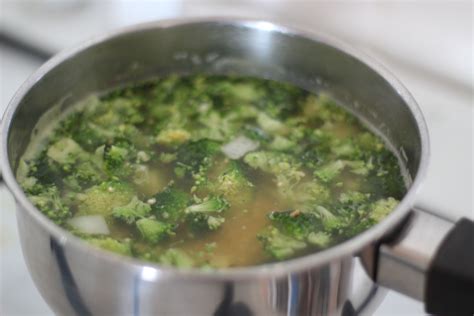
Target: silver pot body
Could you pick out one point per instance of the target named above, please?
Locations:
(75, 278)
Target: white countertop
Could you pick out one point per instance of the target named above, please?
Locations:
(428, 47)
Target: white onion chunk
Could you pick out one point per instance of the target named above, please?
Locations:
(238, 147)
(90, 224)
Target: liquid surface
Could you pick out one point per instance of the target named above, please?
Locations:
(212, 172)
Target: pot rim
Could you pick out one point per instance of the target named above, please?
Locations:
(345, 249)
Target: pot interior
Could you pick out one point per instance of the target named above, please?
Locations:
(251, 48)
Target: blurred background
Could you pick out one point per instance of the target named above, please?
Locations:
(428, 45)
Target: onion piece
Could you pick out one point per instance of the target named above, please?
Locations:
(90, 224)
(238, 147)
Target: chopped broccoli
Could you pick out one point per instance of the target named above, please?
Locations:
(278, 245)
(80, 128)
(132, 211)
(196, 154)
(233, 184)
(101, 199)
(381, 208)
(213, 204)
(360, 167)
(320, 239)
(328, 219)
(108, 243)
(49, 202)
(283, 166)
(154, 231)
(308, 194)
(216, 127)
(330, 171)
(66, 152)
(170, 204)
(270, 125)
(295, 223)
(118, 158)
(205, 215)
(281, 143)
(173, 136)
(176, 258)
(385, 178)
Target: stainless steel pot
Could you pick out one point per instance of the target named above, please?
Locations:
(75, 278)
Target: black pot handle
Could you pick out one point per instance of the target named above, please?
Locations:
(449, 286)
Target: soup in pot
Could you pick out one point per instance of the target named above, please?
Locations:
(212, 172)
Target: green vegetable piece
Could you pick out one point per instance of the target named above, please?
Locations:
(280, 246)
(66, 151)
(213, 204)
(234, 185)
(176, 258)
(132, 211)
(295, 223)
(173, 136)
(170, 204)
(49, 202)
(330, 171)
(283, 166)
(154, 231)
(319, 239)
(205, 216)
(103, 198)
(117, 158)
(192, 155)
(381, 208)
(110, 244)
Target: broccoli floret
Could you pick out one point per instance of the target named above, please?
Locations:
(176, 258)
(283, 166)
(381, 208)
(196, 154)
(233, 184)
(283, 99)
(88, 173)
(213, 204)
(118, 157)
(173, 136)
(349, 214)
(205, 215)
(329, 220)
(386, 177)
(216, 126)
(360, 167)
(317, 148)
(323, 109)
(329, 171)
(101, 199)
(278, 245)
(116, 111)
(134, 210)
(320, 239)
(271, 125)
(308, 194)
(154, 231)
(78, 167)
(80, 128)
(200, 222)
(170, 204)
(294, 223)
(66, 152)
(281, 143)
(49, 202)
(119, 247)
